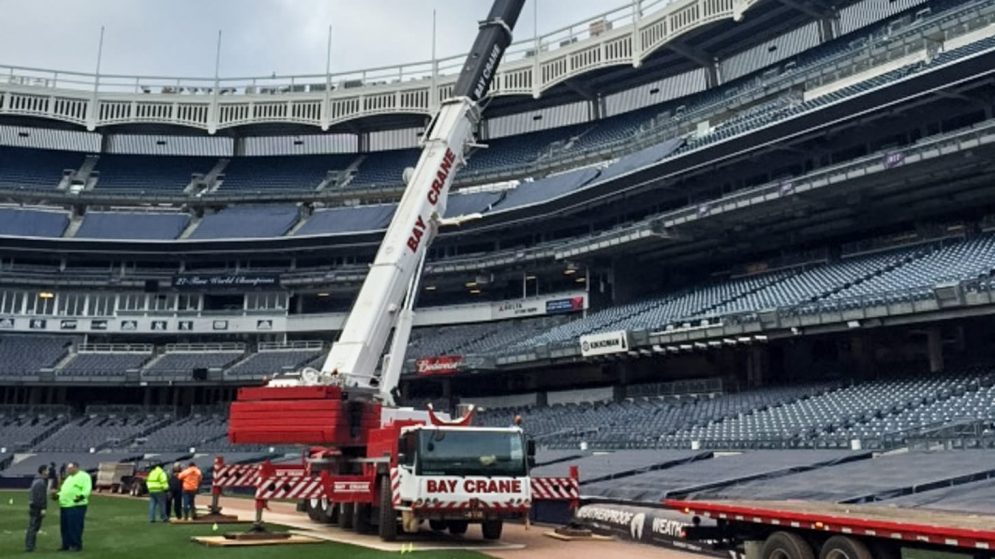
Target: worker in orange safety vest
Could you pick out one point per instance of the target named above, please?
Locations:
(191, 478)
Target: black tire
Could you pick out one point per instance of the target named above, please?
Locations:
(885, 550)
(346, 515)
(312, 507)
(843, 547)
(437, 525)
(458, 527)
(388, 516)
(328, 512)
(362, 521)
(786, 545)
(491, 529)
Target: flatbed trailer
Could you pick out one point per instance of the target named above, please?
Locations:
(806, 530)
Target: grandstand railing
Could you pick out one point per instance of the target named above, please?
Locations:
(679, 387)
(301, 344)
(217, 347)
(115, 348)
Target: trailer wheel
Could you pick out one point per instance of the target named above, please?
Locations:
(885, 550)
(346, 514)
(458, 527)
(361, 520)
(786, 545)
(388, 516)
(492, 529)
(437, 525)
(842, 547)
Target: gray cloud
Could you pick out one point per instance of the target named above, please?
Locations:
(177, 37)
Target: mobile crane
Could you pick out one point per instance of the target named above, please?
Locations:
(370, 462)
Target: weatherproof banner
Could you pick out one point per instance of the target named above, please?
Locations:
(605, 343)
(438, 366)
(659, 527)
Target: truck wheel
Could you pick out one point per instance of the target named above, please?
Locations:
(785, 545)
(437, 525)
(361, 521)
(458, 527)
(388, 516)
(492, 529)
(329, 512)
(313, 512)
(346, 515)
(842, 547)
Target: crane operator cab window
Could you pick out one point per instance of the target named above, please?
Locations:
(407, 449)
(471, 453)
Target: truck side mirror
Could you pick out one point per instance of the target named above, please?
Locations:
(530, 452)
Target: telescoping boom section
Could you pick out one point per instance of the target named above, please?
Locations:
(334, 405)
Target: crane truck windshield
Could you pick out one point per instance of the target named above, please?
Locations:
(470, 453)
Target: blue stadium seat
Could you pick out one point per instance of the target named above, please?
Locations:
(22, 168)
(149, 173)
(247, 222)
(32, 223)
(132, 225)
(304, 172)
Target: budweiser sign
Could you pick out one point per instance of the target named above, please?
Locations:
(441, 365)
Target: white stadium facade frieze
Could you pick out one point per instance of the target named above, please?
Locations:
(625, 36)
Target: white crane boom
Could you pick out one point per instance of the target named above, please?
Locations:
(386, 298)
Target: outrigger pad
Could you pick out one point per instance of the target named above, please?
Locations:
(256, 536)
(211, 519)
(220, 541)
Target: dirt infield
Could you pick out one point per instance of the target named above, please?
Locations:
(516, 542)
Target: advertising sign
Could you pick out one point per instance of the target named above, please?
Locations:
(605, 343)
(569, 304)
(651, 526)
(514, 309)
(437, 366)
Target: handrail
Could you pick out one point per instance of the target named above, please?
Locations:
(447, 66)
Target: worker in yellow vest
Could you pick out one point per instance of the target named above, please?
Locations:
(157, 483)
(73, 497)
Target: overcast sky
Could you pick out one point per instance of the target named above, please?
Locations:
(178, 37)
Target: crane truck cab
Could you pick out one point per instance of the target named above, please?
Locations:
(455, 476)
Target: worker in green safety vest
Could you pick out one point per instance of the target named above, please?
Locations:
(73, 497)
(157, 483)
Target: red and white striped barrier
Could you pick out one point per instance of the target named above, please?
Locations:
(290, 487)
(227, 476)
(555, 489)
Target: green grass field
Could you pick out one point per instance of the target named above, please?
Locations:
(118, 528)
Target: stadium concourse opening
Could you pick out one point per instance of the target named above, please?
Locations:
(722, 283)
